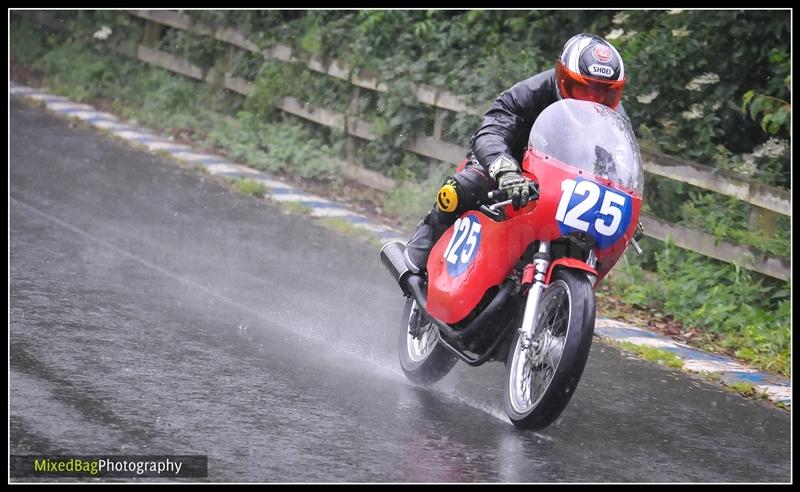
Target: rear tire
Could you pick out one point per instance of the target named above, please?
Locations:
(541, 380)
(423, 359)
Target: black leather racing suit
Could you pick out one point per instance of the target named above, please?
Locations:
(505, 130)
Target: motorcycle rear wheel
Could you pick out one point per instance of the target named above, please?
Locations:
(423, 359)
(541, 379)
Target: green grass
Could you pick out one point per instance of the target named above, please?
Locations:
(653, 354)
(747, 389)
(249, 187)
(296, 208)
(714, 377)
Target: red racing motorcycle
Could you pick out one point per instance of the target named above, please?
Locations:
(518, 285)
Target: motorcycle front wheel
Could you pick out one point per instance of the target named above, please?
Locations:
(541, 379)
(423, 359)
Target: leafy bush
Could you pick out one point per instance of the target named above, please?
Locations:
(752, 313)
(689, 71)
(284, 145)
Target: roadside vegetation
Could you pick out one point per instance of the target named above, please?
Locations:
(653, 354)
(249, 187)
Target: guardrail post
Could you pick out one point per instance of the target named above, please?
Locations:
(352, 110)
(763, 221)
(152, 33)
(216, 73)
(439, 116)
(438, 123)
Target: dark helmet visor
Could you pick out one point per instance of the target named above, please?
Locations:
(576, 86)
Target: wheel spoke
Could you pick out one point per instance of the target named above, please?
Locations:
(555, 342)
(549, 355)
(538, 384)
(558, 315)
(525, 378)
(421, 337)
(429, 338)
(563, 309)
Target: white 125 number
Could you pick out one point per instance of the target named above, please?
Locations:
(462, 231)
(611, 206)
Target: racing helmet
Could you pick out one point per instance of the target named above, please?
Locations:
(590, 69)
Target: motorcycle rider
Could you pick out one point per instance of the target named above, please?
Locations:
(589, 68)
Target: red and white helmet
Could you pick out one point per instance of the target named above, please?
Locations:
(590, 69)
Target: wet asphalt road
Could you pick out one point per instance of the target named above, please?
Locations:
(154, 311)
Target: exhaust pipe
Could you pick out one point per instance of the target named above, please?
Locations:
(392, 259)
(414, 286)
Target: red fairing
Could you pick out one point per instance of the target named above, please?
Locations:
(451, 298)
(484, 252)
(553, 172)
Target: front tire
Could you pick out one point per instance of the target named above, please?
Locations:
(423, 359)
(541, 379)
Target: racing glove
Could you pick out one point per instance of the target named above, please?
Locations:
(510, 180)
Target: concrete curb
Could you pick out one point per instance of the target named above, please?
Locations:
(777, 389)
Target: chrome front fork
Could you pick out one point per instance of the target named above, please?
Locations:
(540, 264)
(637, 234)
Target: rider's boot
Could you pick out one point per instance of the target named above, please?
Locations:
(429, 230)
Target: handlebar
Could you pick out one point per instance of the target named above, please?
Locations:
(534, 194)
(495, 209)
(499, 205)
